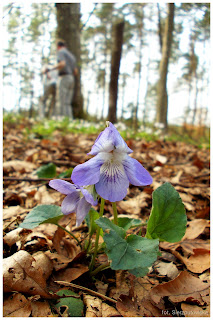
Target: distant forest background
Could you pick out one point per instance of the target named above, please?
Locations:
(132, 58)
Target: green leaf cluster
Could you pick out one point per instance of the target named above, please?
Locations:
(132, 253)
(136, 254)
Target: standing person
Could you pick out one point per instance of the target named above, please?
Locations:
(67, 71)
(49, 84)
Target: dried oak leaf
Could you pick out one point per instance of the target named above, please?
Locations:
(187, 246)
(128, 306)
(109, 311)
(18, 165)
(101, 287)
(44, 262)
(59, 261)
(198, 262)
(122, 284)
(16, 305)
(195, 228)
(36, 241)
(167, 269)
(93, 306)
(132, 307)
(140, 304)
(41, 309)
(184, 288)
(21, 273)
(134, 205)
(190, 310)
(43, 196)
(16, 235)
(196, 253)
(70, 274)
(12, 212)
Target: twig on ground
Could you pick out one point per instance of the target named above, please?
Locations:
(31, 179)
(68, 284)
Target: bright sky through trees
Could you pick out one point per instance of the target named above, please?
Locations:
(178, 99)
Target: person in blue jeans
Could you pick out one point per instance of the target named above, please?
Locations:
(67, 70)
(49, 85)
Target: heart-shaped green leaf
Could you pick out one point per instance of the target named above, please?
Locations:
(130, 253)
(70, 307)
(168, 219)
(66, 174)
(107, 224)
(42, 214)
(47, 171)
(127, 223)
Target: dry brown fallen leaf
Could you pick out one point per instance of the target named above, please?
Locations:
(65, 245)
(18, 165)
(134, 205)
(36, 241)
(16, 305)
(109, 311)
(59, 261)
(43, 196)
(183, 288)
(44, 263)
(190, 310)
(15, 236)
(196, 253)
(70, 274)
(21, 273)
(198, 262)
(93, 306)
(13, 212)
(187, 246)
(96, 308)
(41, 309)
(134, 307)
(122, 285)
(140, 304)
(167, 269)
(142, 286)
(195, 228)
(101, 287)
(128, 306)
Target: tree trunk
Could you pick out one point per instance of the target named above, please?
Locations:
(162, 99)
(117, 38)
(68, 29)
(195, 99)
(159, 28)
(140, 35)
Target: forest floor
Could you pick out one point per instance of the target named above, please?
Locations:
(37, 260)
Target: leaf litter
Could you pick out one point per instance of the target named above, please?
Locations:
(177, 284)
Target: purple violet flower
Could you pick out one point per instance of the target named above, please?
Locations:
(112, 169)
(78, 199)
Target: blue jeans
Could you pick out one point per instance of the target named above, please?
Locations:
(66, 91)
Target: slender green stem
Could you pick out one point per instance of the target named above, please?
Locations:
(89, 242)
(115, 213)
(97, 236)
(70, 234)
(100, 268)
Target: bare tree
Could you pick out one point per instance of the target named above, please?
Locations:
(162, 97)
(68, 29)
(117, 37)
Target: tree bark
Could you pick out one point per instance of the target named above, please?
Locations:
(162, 99)
(117, 37)
(68, 29)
